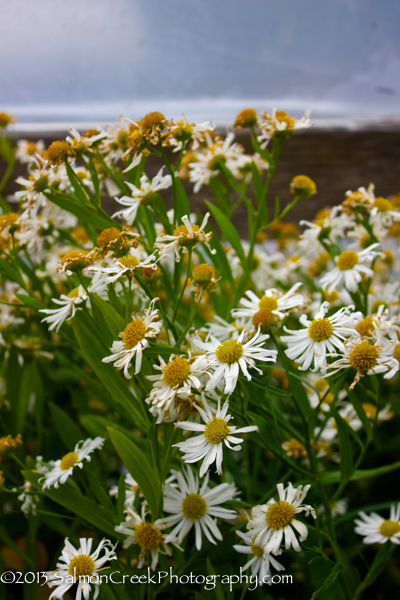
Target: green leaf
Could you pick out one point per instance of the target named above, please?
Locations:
(97, 425)
(228, 231)
(181, 202)
(11, 272)
(113, 319)
(31, 302)
(219, 192)
(140, 469)
(219, 594)
(256, 181)
(299, 393)
(85, 214)
(335, 476)
(94, 350)
(353, 397)
(77, 184)
(346, 449)
(329, 581)
(76, 503)
(27, 387)
(69, 433)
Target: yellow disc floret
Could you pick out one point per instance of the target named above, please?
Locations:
(57, 152)
(203, 274)
(265, 319)
(320, 329)
(229, 352)
(389, 528)
(365, 326)
(68, 461)
(133, 333)
(176, 371)
(246, 118)
(258, 551)
(216, 430)
(347, 260)
(364, 355)
(279, 515)
(194, 507)
(303, 186)
(382, 204)
(396, 352)
(81, 565)
(268, 303)
(74, 293)
(147, 536)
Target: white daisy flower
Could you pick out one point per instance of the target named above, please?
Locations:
(273, 301)
(272, 521)
(183, 131)
(177, 378)
(191, 506)
(61, 469)
(279, 122)
(131, 488)
(329, 432)
(378, 530)
(222, 330)
(215, 432)
(26, 150)
(143, 195)
(69, 305)
(366, 357)
(134, 339)
(184, 236)
(228, 358)
(319, 336)
(260, 562)
(349, 269)
(28, 498)
(383, 214)
(147, 535)
(32, 197)
(111, 269)
(80, 565)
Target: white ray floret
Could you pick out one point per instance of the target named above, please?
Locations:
(68, 303)
(273, 300)
(214, 434)
(260, 562)
(349, 269)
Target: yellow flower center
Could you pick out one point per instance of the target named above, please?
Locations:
(268, 303)
(389, 528)
(75, 260)
(5, 119)
(214, 164)
(68, 461)
(264, 319)
(396, 352)
(246, 118)
(194, 507)
(108, 236)
(320, 329)
(129, 261)
(74, 293)
(365, 327)
(229, 352)
(394, 230)
(382, 204)
(279, 515)
(133, 333)
(370, 410)
(347, 260)
(81, 565)
(283, 117)
(216, 430)
(147, 536)
(148, 198)
(57, 152)
(321, 385)
(176, 371)
(257, 550)
(203, 274)
(363, 357)
(182, 233)
(366, 240)
(152, 119)
(41, 184)
(303, 186)
(8, 219)
(295, 448)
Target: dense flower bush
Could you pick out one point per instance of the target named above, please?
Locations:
(175, 397)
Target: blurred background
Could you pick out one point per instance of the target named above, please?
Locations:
(84, 62)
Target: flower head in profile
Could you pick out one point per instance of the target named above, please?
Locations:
(321, 335)
(61, 469)
(80, 565)
(214, 434)
(177, 378)
(184, 236)
(144, 195)
(183, 131)
(227, 359)
(134, 339)
(377, 530)
(68, 303)
(349, 268)
(131, 489)
(279, 123)
(196, 506)
(147, 535)
(272, 522)
(111, 269)
(260, 562)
